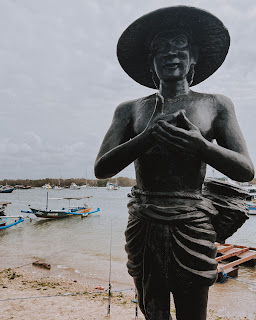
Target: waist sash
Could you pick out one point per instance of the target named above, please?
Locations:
(171, 231)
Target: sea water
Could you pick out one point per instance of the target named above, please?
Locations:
(88, 248)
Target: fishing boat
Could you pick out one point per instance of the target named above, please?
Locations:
(57, 214)
(74, 186)
(4, 222)
(251, 199)
(6, 189)
(112, 186)
(83, 211)
(57, 188)
(251, 206)
(47, 186)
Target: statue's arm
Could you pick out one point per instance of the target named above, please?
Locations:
(230, 156)
(119, 148)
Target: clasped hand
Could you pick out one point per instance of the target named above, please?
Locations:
(184, 136)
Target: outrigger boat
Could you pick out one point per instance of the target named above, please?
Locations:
(4, 221)
(83, 211)
(251, 199)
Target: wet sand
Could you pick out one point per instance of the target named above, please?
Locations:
(52, 297)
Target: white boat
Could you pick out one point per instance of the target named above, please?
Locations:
(74, 186)
(112, 186)
(6, 189)
(47, 186)
(57, 188)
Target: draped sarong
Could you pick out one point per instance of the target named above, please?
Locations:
(169, 236)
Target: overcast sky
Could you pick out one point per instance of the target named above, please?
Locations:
(60, 80)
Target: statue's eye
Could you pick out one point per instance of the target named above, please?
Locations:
(160, 45)
(180, 41)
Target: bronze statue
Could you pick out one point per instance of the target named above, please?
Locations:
(169, 137)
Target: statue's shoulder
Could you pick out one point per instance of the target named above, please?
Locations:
(223, 103)
(217, 101)
(130, 106)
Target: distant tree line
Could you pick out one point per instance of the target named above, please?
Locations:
(121, 181)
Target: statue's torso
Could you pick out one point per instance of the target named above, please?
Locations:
(166, 170)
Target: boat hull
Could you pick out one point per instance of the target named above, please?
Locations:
(6, 190)
(252, 210)
(55, 214)
(51, 214)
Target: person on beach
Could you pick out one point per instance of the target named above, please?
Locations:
(170, 240)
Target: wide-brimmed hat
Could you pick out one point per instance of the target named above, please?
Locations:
(207, 31)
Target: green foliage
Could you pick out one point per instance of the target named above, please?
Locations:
(121, 181)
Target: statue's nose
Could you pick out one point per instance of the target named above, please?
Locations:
(170, 50)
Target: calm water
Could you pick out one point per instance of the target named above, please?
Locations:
(72, 244)
(81, 247)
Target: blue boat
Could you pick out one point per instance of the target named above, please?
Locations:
(4, 222)
(6, 189)
(252, 207)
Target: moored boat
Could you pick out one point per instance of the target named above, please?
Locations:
(4, 221)
(74, 186)
(112, 186)
(252, 207)
(251, 199)
(47, 186)
(6, 189)
(83, 210)
(58, 214)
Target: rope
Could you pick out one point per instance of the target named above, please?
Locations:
(225, 277)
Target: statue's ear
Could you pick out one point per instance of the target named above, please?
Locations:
(194, 54)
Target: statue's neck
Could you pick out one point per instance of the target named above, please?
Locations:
(174, 89)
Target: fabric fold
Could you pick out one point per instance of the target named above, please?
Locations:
(172, 233)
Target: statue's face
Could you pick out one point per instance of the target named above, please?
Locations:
(172, 57)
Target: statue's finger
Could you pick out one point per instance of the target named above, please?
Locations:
(180, 132)
(185, 122)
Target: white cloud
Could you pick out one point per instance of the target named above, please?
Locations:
(60, 79)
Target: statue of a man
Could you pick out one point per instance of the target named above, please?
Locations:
(169, 136)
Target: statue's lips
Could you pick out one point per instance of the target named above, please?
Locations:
(170, 65)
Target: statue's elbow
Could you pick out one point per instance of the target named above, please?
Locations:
(251, 173)
(248, 173)
(100, 172)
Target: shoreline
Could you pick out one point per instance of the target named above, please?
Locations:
(59, 297)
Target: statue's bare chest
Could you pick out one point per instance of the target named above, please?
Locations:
(199, 111)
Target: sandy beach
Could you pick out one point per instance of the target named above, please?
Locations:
(36, 295)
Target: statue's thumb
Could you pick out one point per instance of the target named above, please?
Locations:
(184, 121)
(159, 103)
